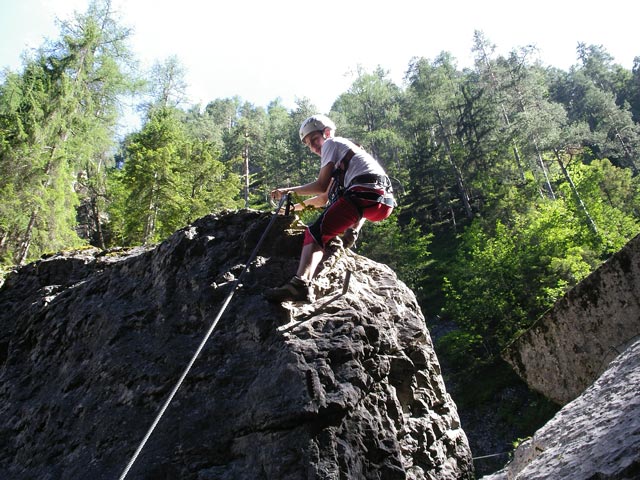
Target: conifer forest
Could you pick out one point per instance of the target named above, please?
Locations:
(514, 180)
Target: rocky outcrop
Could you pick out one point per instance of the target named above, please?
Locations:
(92, 343)
(569, 347)
(596, 436)
(597, 432)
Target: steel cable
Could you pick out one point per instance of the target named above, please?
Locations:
(205, 339)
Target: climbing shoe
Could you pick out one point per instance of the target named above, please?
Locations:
(349, 237)
(295, 289)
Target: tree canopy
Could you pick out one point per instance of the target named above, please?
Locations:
(514, 180)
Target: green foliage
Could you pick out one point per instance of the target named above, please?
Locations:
(463, 349)
(56, 123)
(369, 114)
(403, 247)
(509, 272)
(208, 183)
(170, 178)
(613, 199)
(517, 180)
(117, 194)
(151, 177)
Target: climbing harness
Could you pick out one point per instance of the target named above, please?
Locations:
(285, 198)
(337, 186)
(371, 187)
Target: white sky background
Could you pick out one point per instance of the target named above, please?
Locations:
(261, 50)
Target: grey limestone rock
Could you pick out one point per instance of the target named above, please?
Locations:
(596, 436)
(570, 346)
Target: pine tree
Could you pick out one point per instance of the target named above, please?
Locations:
(58, 118)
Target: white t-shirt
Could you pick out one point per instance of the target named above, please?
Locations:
(335, 148)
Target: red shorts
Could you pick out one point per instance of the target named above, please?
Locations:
(342, 214)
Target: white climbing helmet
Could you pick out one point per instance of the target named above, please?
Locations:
(316, 123)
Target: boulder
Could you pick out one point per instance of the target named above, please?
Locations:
(595, 436)
(93, 342)
(570, 346)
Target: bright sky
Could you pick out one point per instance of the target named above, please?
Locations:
(261, 50)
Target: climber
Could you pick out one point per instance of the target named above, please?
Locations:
(356, 189)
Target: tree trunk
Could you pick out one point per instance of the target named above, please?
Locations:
(495, 85)
(464, 195)
(453, 218)
(581, 205)
(545, 171)
(150, 223)
(514, 146)
(245, 154)
(3, 243)
(627, 152)
(23, 249)
(96, 217)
